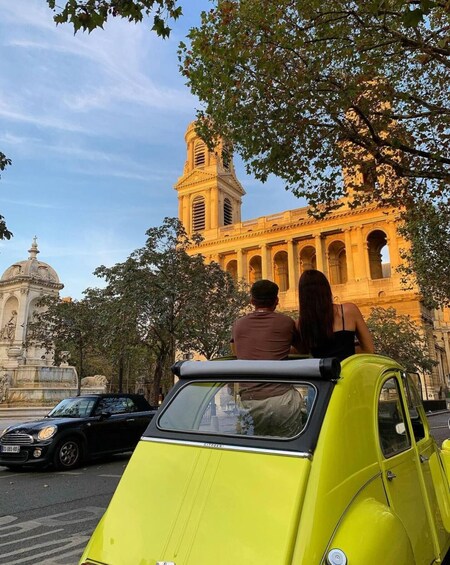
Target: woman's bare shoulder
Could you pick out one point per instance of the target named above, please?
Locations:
(351, 309)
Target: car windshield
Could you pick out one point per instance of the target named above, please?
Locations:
(73, 408)
(240, 408)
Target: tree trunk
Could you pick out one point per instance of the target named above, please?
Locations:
(121, 367)
(80, 376)
(157, 377)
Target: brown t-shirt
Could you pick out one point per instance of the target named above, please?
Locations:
(264, 335)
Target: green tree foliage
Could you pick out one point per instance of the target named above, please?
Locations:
(398, 337)
(59, 325)
(427, 260)
(4, 232)
(218, 303)
(158, 302)
(303, 88)
(91, 14)
(115, 318)
(176, 301)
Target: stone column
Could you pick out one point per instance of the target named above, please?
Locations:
(186, 218)
(22, 315)
(349, 255)
(211, 208)
(319, 252)
(266, 262)
(445, 337)
(292, 271)
(362, 267)
(240, 269)
(392, 242)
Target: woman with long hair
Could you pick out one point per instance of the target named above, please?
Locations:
(328, 329)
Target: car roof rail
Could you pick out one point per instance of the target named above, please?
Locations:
(328, 368)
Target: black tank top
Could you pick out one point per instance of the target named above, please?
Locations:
(340, 345)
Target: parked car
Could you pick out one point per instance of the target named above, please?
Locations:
(216, 478)
(78, 428)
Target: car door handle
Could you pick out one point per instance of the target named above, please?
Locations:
(423, 458)
(130, 419)
(390, 475)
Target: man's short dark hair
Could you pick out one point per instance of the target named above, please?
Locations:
(264, 293)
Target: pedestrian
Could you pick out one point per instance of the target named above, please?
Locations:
(269, 409)
(327, 329)
(264, 333)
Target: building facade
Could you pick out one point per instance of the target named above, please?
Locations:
(357, 249)
(27, 374)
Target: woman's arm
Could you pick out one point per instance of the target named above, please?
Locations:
(362, 332)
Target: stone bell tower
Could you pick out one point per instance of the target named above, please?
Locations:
(209, 194)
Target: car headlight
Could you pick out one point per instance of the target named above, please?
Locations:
(3, 432)
(47, 432)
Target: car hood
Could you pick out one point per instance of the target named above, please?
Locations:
(30, 427)
(197, 505)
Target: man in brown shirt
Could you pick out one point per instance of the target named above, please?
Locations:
(266, 334)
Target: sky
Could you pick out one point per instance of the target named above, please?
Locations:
(94, 125)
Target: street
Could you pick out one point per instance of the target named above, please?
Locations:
(46, 518)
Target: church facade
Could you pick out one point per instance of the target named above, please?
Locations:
(357, 249)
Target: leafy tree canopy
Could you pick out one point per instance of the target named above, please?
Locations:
(4, 232)
(63, 324)
(398, 337)
(91, 14)
(169, 300)
(302, 89)
(427, 260)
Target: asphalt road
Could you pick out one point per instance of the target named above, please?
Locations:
(439, 426)
(46, 518)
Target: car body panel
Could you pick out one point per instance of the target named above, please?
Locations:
(98, 434)
(207, 481)
(196, 500)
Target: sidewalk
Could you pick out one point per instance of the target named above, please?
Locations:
(24, 412)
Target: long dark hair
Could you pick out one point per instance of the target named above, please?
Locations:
(316, 308)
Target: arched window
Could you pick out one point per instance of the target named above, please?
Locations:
(232, 269)
(198, 214)
(255, 269)
(379, 261)
(308, 258)
(199, 154)
(227, 212)
(337, 262)
(281, 270)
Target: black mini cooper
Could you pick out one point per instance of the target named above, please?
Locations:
(77, 429)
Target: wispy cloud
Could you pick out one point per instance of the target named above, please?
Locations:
(30, 117)
(33, 204)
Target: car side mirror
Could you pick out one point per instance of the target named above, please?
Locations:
(105, 415)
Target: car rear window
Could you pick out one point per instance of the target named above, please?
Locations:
(278, 410)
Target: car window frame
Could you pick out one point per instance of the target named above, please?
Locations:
(303, 445)
(218, 385)
(411, 391)
(402, 402)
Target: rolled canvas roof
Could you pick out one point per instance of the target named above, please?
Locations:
(328, 368)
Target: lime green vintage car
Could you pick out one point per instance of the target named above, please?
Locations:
(297, 462)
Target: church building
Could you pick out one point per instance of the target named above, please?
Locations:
(357, 249)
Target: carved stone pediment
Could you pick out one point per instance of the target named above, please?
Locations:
(194, 177)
